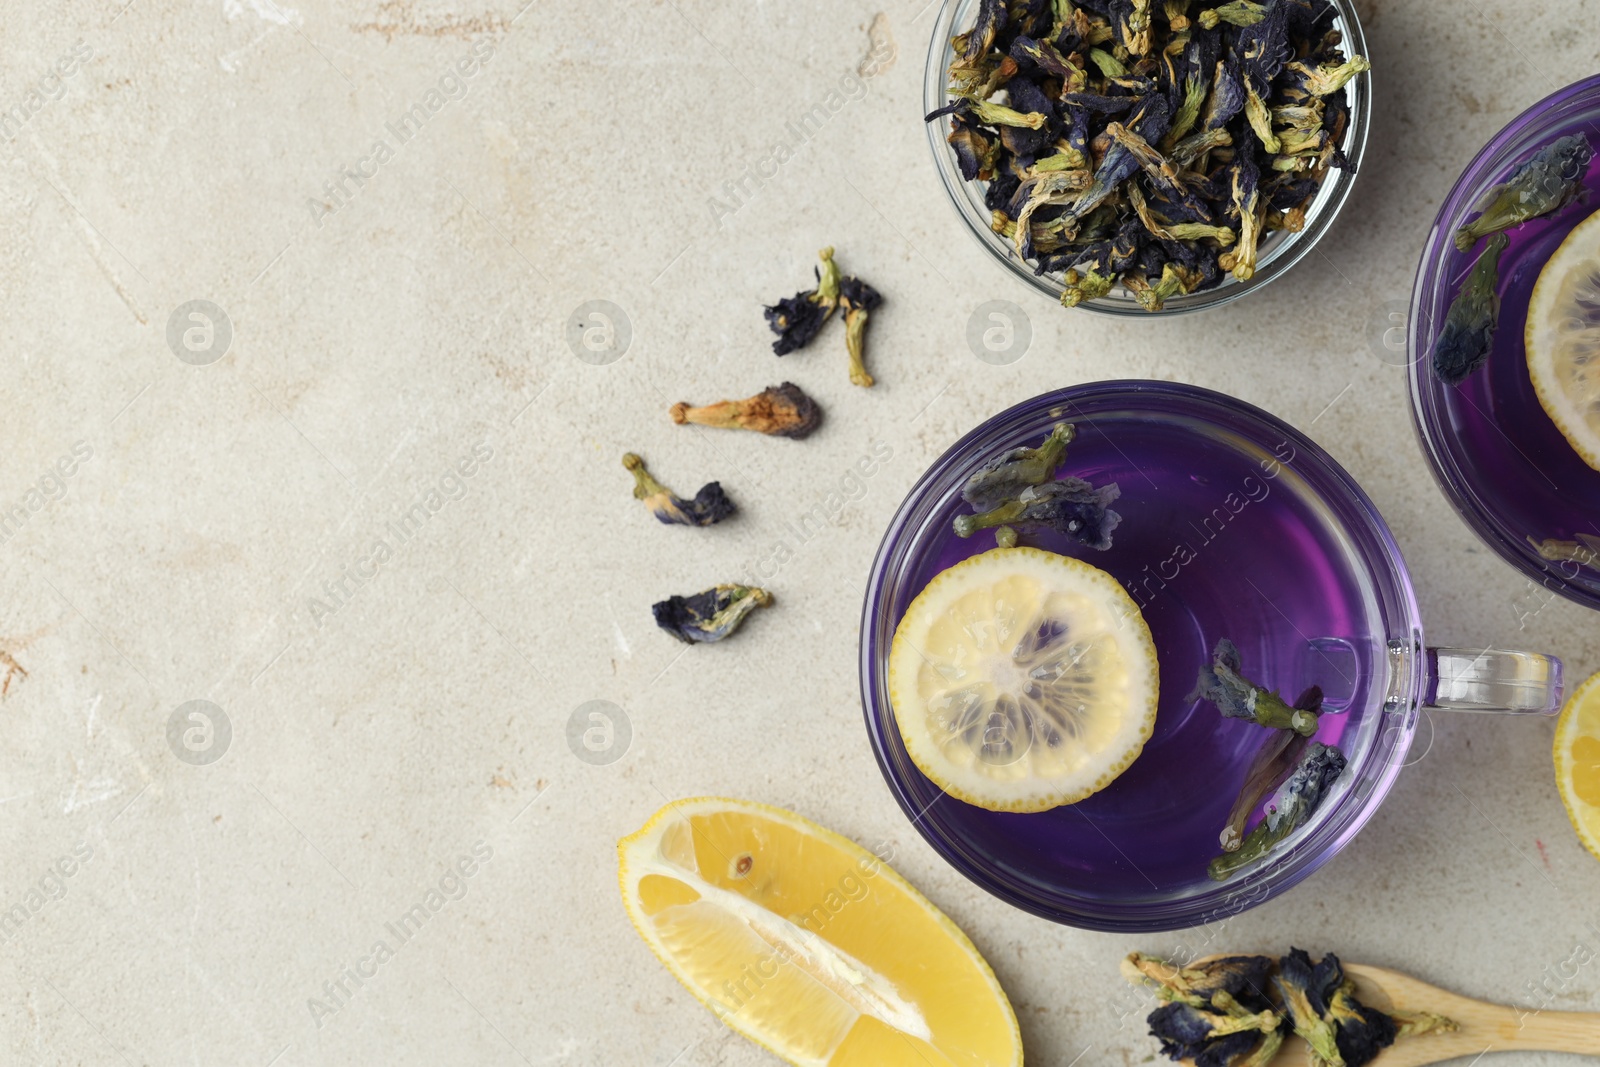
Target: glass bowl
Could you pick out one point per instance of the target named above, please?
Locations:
(1279, 250)
(1499, 459)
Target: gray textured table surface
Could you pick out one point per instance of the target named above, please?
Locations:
(385, 333)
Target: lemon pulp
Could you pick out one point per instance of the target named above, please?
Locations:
(1022, 680)
(809, 944)
(1562, 339)
(1577, 758)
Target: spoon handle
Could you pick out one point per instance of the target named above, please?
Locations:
(1557, 1031)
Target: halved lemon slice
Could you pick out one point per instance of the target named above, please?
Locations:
(1022, 680)
(1578, 761)
(1563, 339)
(808, 944)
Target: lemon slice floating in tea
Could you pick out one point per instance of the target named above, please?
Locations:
(1563, 339)
(808, 944)
(1022, 680)
(1578, 761)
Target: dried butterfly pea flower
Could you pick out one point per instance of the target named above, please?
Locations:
(857, 298)
(1299, 799)
(1019, 469)
(1219, 1013)
(1237, 697)
(780, 410)
(1086, 286)
(1468, 332)
(711, 615)
(1246, 195)
(1213, 1005)
(799, 318)
(710, 505)
(1245, 979)
(1237, 13)
(1546, 182)
(1324, 1010)
(1071, 507)
(1322, 80)
(975, 152)
(1274, 761)
(1302, 986)
(1207, 1037)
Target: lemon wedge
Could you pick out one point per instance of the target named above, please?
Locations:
(1578, 761)
(1563, 339)
(808, 944)
(1022, 680)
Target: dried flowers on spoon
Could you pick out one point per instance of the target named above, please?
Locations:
(1219, 1013)
(1237, 1011)
(780, 410)
(710, 505)
(1128, 142)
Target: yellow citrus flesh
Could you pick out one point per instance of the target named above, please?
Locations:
(1022, 680)
(808, 944)
(1578, 761)
(1563, 339)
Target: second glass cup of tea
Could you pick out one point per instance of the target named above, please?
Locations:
(1234, 525)
(1500, 460)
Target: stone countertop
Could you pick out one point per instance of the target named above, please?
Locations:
(368, 508)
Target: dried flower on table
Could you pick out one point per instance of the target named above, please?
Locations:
(780, 410)
(1237, 697)
(1277, 758)
(799, 318)
(1468, 332)
(1130, 142)
(711, 615)
(1550, 179)
(857, 298)
(1299, 799)
(1584, 551)
(710, 505)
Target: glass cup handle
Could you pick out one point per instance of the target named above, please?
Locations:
(1493, 680)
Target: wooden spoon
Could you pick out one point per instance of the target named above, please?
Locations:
(1484, 1027)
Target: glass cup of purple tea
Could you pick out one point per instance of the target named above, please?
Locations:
(1510, 471)
(1233, 527)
